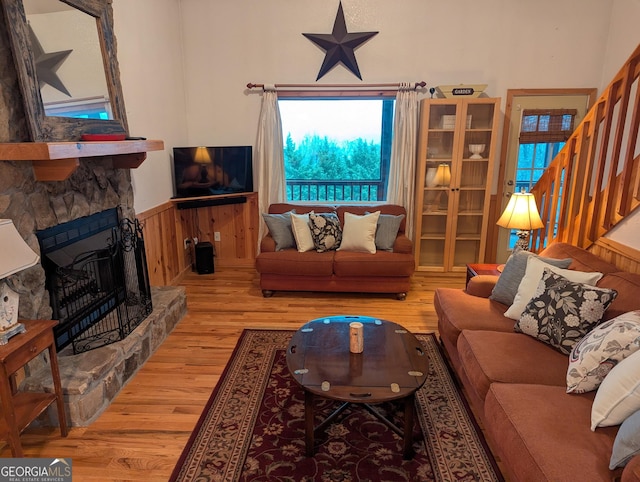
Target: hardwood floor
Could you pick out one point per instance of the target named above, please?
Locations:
(142, 434)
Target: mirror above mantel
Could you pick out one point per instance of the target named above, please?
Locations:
(88, 82)
(34, 29)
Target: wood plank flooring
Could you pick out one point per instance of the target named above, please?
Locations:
(142, 434)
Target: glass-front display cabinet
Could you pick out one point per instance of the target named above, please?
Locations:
(457, 145)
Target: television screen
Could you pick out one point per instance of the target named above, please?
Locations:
(207, 171)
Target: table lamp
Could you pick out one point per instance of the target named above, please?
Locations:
(522, 214)
(15, 255)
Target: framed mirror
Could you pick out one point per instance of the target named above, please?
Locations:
(71, 106)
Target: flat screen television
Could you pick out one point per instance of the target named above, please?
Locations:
(207, 171)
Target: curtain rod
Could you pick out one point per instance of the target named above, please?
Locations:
(391, 86)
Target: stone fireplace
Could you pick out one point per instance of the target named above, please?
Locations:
(92, 379)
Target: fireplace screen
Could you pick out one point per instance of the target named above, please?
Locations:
(97, 278)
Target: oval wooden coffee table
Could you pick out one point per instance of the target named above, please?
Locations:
(392, 366)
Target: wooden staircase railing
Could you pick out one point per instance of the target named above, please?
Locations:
(594, 181)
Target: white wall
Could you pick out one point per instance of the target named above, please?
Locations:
(503, 43)
(150, 57)
(224, 44)
(624, 36)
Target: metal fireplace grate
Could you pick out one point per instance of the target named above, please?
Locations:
(97, 278)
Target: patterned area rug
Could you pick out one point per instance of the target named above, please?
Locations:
(252, 428)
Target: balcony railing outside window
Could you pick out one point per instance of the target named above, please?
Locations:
(335, 191)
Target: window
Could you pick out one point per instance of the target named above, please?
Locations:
(337, 149)
(533, 159)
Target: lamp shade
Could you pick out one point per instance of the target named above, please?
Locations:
(521, 213)
(202, 156)
(15, 253)
(443, 175)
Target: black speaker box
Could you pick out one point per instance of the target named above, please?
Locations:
(204, 258)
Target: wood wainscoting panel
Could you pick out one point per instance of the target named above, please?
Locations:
(624, 257)
(164, 244)
(165, 228)
(237, 225)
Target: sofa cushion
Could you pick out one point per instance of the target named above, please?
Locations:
(562, 312)
(302, 232)
(402, 245)
(532, 277)
(459, 311)
(627, 442)
(593, 357)
(632, 470)
(325, 231)
(628, 286)
(383, 263)
(387, 231)
(489, 356)
(538, 444)
(279, 208)
(393, 209)
(582, 260)
(359, 232)
(291, 261)
(619, 394)
(280, 229)
(507, 285)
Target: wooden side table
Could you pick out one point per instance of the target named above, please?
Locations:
(481, 268)
(21, 408)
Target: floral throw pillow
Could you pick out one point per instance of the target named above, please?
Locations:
(325, 231)
(562, 312)
(593, 357)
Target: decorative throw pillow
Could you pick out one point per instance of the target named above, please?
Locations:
(619, 394)
(359, 233)
(532, 277)
(593, 357)
(280, 229)
(302, 231)
(627, 442)
(507, 285)
(387, 231)
(325, 231)
(561, 312)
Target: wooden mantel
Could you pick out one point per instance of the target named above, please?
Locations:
(56, 161)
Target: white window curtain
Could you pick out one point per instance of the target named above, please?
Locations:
(402, 175)
(269, 157)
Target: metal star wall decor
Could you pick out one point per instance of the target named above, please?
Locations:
(47, 64)
(339, 45)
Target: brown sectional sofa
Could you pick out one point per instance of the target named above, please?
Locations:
(517, 384)
(339, 271)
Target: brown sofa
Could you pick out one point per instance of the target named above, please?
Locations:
(517, 384)
(339, 271)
